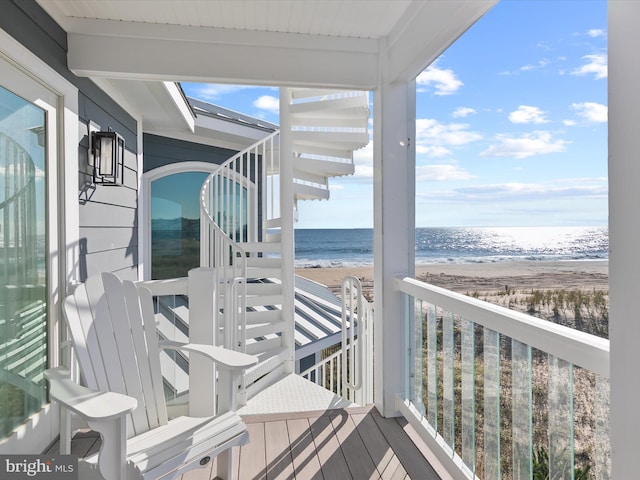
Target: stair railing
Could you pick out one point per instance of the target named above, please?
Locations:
(236, 203)
(348, 372)
(357, 357)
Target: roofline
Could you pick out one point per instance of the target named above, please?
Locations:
(203, 108)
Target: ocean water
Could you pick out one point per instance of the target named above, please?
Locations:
(354, 247)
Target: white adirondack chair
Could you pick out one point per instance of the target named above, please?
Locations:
(114, 336)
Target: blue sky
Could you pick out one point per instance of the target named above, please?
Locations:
(511, 125)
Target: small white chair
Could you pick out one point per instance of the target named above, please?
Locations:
(113, 330)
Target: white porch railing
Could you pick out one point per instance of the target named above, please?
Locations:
(500, 394)
(238, 207)
(348, 372)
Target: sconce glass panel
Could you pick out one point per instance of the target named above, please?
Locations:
(108, 158)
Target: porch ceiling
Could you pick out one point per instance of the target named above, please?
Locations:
(314, 17)
(269, 42)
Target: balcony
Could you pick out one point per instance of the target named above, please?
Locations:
(492, 393)
(352, 443)
(500, 394)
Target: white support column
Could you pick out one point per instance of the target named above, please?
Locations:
(286, 227)
(624, 234)
(394, 234)
(202, 328)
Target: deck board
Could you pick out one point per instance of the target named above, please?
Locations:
(332, 460)
(253, 460)
(409, 455)
(354, 443)
(360, 462)
(379, 449)
(278, 452)
(306, 463)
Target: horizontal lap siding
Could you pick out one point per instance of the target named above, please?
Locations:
(108, 214)
(160, 151)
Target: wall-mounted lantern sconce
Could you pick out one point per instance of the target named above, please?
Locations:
(108, 157)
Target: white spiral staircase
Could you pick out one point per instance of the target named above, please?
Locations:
(241, 226)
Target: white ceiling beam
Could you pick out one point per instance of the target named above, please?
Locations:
(424, 33)
(129, 50)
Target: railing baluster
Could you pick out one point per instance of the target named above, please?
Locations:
(234, 204)
(603, 438)
(272, 185)
(468, 393)
(239, 185)
(560, 408)
(521, 410)
(491, 346)
(416, 356)
(432, 366)
(448, 357)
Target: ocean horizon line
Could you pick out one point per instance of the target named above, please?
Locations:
(532, 227)
(460, 245)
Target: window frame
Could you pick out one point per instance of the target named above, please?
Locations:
(165, 171)
(25, 74)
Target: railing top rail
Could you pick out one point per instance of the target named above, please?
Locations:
(245, 151)
(322, 362)
(205, 207)
(205, 185)
(578, 348)
(169, 286)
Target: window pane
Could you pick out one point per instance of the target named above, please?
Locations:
(175, 220)
(175, 224)
(23, 292)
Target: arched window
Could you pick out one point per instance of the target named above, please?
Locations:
(173, 217)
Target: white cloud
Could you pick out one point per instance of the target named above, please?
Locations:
(594, 188)
(569, 123)
(445, 82)
(536, 143)
(364, 155)
(211, 91)
(362, 173)
(268, 103)
(596, 32)
(525, 68)
(591, 111)
(568, 188)
(596, 64)
(434, 151)
(431, 134)
(462, 112)
(363, 166)
(527, 114)
(441, 173)
(541, 64)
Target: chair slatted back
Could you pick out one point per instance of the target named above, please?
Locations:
(113, 347)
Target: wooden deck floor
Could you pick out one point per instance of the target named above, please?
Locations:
(355, 443)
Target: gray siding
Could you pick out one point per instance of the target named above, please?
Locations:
(108, 214)
(160, 151)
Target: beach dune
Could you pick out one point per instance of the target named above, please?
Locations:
(485, 277)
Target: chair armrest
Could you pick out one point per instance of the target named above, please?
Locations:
(222, 356)
(90, 404)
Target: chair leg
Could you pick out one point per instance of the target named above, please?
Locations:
(65, 431)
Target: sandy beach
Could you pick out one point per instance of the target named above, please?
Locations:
(487, 277)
